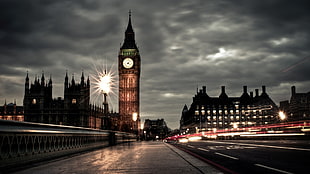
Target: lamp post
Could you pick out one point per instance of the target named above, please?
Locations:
(142, 132)
(105, 87)
(134, 118)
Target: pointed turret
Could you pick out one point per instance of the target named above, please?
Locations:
(185, 108)
(27, 84)
(36, 80)
(82, 79)
(129, 42)
(42, 79)
(66, 80)
(72, 81)
(88, 82)
(50, 81)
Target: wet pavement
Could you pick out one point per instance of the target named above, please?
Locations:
(138, 157)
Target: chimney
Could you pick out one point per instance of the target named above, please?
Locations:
(293, 90)
(256, 93)
(204, 89)
(223, 89)
(264, 89)
(251, 94)
(245, 89)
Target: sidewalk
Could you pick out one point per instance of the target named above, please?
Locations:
(138, 157)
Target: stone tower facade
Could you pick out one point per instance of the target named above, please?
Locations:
(129, 68)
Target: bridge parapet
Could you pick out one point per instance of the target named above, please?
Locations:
(24, 142)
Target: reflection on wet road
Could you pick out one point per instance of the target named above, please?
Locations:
(137, 157)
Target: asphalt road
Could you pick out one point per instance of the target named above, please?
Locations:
(248, 156)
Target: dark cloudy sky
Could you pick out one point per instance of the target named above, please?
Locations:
(182, 44)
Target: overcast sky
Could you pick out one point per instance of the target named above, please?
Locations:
(182, 44)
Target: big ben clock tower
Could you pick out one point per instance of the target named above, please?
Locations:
(129, 67)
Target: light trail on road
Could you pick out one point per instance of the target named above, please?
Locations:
(260, 145)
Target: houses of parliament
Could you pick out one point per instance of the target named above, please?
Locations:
(74, 109)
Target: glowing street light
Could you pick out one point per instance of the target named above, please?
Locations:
(134, 116)
(105, 83)
(282, 115)
(142, 126)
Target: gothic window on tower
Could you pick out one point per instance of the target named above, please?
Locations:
(74, 101)
(34, 101)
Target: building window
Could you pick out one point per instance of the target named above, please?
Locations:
(196, 112)
(74, 101)
(203, 112)
(34, 101)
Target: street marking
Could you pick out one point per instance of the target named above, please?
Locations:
(260, 145)
(271, 168)
(203, 149)
(190, 146)
(226, 156)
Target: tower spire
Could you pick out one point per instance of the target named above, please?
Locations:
(42, 79)
(129, 42)
(82, 79)
(66, 80)
(27, 84)
(50, 81)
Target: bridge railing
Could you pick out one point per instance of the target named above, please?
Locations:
(24, 142)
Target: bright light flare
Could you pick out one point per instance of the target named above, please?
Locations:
(282, 115)
(105, 83)
(134, 116)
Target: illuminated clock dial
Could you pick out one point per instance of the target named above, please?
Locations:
(128, 63)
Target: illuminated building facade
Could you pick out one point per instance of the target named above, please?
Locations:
(129, 67)
(298, 108)
(214, 113)
(73, 110)
(12, 112)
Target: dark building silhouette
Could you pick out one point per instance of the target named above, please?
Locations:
(298, 108)
(155, 129)
(209, 113)
(73, 110)
(129, 67)
(12, 112)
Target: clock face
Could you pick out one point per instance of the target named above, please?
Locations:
(127, 62)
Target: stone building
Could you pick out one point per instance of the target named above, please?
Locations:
(74, 109)
(298, 107)
(213, 113)
(11, 112)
